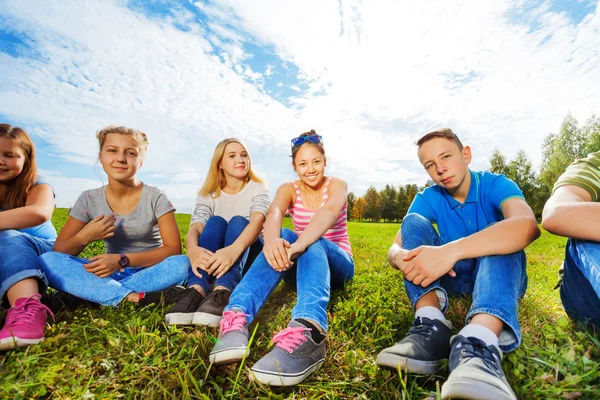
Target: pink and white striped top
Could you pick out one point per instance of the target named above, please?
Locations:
(301, 216)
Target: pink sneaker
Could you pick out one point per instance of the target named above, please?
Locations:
(25, 323)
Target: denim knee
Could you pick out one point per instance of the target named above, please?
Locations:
(288, 235)
(417, 230)
(52, 260)
(8, 238)
(237, 222)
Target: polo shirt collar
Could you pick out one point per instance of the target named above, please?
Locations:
(472, 197)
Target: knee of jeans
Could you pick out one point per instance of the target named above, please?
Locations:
(237, 222)
(216, 220)
(8, 238)
(288, 234)
(52, 259)
(416, 219)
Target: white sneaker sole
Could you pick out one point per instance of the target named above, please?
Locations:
(395, 362)
(206, 319)
(179, 318)
(465, 389)
(14, 342)
(228, 356)
(277, 379)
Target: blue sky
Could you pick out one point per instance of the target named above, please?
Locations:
(369, 76)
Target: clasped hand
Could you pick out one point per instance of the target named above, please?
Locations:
(280, 254)
(216, 264)
(423, 265)
(100, 228)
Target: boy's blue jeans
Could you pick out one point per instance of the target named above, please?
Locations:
(216, 235)
(66, 273)
(580, 288)
(495, 282)
(19, 259)
(322, 267)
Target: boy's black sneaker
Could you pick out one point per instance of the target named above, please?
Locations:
(475, 372)
(182, 312)
(210, 311)
(423, 348)
(167, 296)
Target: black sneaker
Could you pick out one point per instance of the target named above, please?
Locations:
(423, 348)
(475, 372)
(182, 312)
(63, 301)
(163, 297)
(211, 310)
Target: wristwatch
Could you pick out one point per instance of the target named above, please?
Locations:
(124, 261)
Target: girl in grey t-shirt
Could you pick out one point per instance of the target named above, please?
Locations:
(137, 224)
(224, 235)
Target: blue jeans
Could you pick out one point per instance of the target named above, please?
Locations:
(216, 235)
(495, 282)
(19, 259)
(66, 273)
(322, 267)
(580, 288)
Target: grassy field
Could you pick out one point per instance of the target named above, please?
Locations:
(128, 352)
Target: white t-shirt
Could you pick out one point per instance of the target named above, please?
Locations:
(254, 197)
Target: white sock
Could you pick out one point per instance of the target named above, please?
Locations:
(430, 312)
(480, 332)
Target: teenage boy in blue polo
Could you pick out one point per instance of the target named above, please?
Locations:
(484, 224)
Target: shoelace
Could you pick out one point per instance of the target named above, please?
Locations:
(25, 311)
(477, 349)
(290, 338)
(232, 321)
(422, 327)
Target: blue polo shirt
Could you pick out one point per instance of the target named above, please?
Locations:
(482, 207)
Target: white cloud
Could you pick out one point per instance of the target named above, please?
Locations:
(377, 75)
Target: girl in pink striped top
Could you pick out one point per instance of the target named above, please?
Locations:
(316, 256)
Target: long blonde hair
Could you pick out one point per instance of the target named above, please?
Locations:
(215, 179)
(15, 192)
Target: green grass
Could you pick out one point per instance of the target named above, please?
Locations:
(128, 352)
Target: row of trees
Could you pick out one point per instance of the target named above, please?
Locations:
(558, 151)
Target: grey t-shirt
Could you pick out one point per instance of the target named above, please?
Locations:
(135, 232)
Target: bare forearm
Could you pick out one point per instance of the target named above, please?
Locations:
(152, 257)
(24, 217)
(273, 225)
(248, 236)
(73, 246)
(504, 237)
(191, 239)
(579, 220)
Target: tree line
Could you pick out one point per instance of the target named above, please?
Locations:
(558, 151)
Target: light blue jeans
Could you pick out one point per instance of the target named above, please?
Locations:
(495, 282)
(580, 288)
(19, 259)
(322, 267)
(66, 273)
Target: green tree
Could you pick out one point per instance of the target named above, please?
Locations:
(351, 199)
(498, 163)
(373, 209)
(402, 202)
(388, 203)
(560, 150)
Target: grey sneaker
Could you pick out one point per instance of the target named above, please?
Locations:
(232, 342)
(293, 359)
(475, 372)
(423, 348)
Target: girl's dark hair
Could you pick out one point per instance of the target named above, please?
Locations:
(14, 193)
(319, 146)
